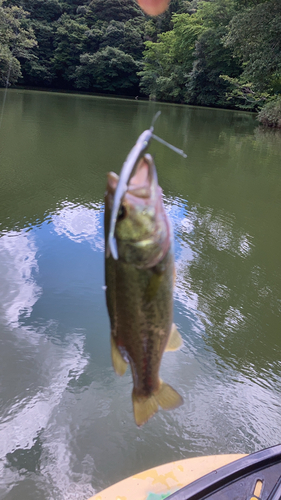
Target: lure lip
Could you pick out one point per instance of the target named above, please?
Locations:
(129, 165)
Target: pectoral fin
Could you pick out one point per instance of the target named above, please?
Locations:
(175, 340)
(119, 365)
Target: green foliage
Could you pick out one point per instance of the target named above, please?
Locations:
(164, 22)
(207, 52)
(42, 10)
(158, 59)
(212, 58)
(248, 3)
(66, 30)
(225, 53)
(124, 36)
(270, 115)
(255, 38)
(38, 69)
(205, 86)
(168, 61)
(243, 94)
(123, 10)
(16, 42)
(10, 70)
(72, 7)
(185, 63)
(70, 41)
(108, 70)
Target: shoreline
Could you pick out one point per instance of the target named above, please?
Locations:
(119, 97)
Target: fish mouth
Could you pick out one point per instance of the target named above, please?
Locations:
(144, 181)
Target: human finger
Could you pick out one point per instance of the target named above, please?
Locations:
(153, 7)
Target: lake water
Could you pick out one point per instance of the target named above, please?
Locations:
(66, 420)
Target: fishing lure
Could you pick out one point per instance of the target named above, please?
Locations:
(126, 173)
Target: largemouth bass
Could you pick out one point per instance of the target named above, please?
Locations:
(139, 291)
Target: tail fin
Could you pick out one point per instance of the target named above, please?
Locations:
(167, 397)
(146, 407)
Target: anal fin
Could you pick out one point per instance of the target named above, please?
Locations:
(119, 364)
(175, 340)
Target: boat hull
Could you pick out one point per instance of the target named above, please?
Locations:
(165, 479)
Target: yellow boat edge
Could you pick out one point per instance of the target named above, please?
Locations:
(164, 479)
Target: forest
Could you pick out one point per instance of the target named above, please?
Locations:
(223, 53)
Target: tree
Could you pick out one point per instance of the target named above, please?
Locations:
(255, 37)
(42, 10)
(108, 70)
(211, 58)
(164, 22)
(168, 62)
(38, 70)
(127, 37)
(270, 115)
(70, 42)
(42, 17)
(16, 42)
(72, 7)
(207, 52)
(106, 10)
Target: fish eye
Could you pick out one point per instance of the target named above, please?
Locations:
(121, 213)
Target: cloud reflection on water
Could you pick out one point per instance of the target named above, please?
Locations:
(215, 258)
(80, 223)
(37, 418)
(18, 267)
(204, 227)
(35, 374)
